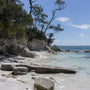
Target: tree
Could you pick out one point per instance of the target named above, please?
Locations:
(50, 38)
(14, 20)
(60, 4)
(40, 18)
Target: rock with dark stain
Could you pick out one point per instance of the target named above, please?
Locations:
(43, 84)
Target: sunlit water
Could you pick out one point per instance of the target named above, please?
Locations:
(78, 61)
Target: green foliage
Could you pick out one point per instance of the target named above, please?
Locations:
(34, 33)
(59, 2)
(14, 20)
(56, 28)
(50, 38)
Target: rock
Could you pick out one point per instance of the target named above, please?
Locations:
(7, 66)
(43, 84)
(20, 70)
(88, 51)
(66, 50)
(2, 57)
(56, 48)
(19, 50)
(2, 49)
(2, 43)
(52, 79)
(48, 48)
(1, 52)
(37, 45)
(27, 53)
(7, 55)
(30, 66)
(76, 51)
(52, 69)
(44, 69)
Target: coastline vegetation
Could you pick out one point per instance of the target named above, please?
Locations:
(16, 23)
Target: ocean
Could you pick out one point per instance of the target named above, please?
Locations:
(75, 48)
(80, 61)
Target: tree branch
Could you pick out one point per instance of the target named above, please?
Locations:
(30, 1)
(53, 16)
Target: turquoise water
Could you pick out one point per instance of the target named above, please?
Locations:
(79, 61)
(75, 48)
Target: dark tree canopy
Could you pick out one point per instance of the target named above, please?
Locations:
(15, 22)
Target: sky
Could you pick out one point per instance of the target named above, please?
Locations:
(74, 19)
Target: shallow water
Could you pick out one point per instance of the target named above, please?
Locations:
(79, 61)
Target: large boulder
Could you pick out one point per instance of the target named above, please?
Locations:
(36, 45)
(27, 53)
(20, 70)
(19, 50)
(43, 84)
(48, 48)
(56, 48)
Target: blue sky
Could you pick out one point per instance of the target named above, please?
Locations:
(74, 18)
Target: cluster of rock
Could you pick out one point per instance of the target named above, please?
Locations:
(43, 69)
(56, 48)
(40, 83)
(23, 69)
(53, 49)
(16, 70)
(17, 50)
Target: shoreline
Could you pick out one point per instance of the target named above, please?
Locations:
(26, 82)
(21, 82)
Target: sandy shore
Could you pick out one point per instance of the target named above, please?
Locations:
(20, 82)
(77, 81)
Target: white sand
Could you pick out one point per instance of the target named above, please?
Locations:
(20, 82)
(25, 82)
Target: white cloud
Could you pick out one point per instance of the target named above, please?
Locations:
(82, 35)
(85, 26)
(68, 22)
(63, 19)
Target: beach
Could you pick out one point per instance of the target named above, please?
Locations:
(78, 81)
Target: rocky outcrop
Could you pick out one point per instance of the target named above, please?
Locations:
(47, 48)
(2, 49)
(19, 50)
(87, 51)
(22, 41)
(56, 48)
(66, 50)
(53, 69)
(43, 84)
(44, 69)
(76, 51)
(36, 45)
(20, 70)
(7, 67)
(2, 57)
